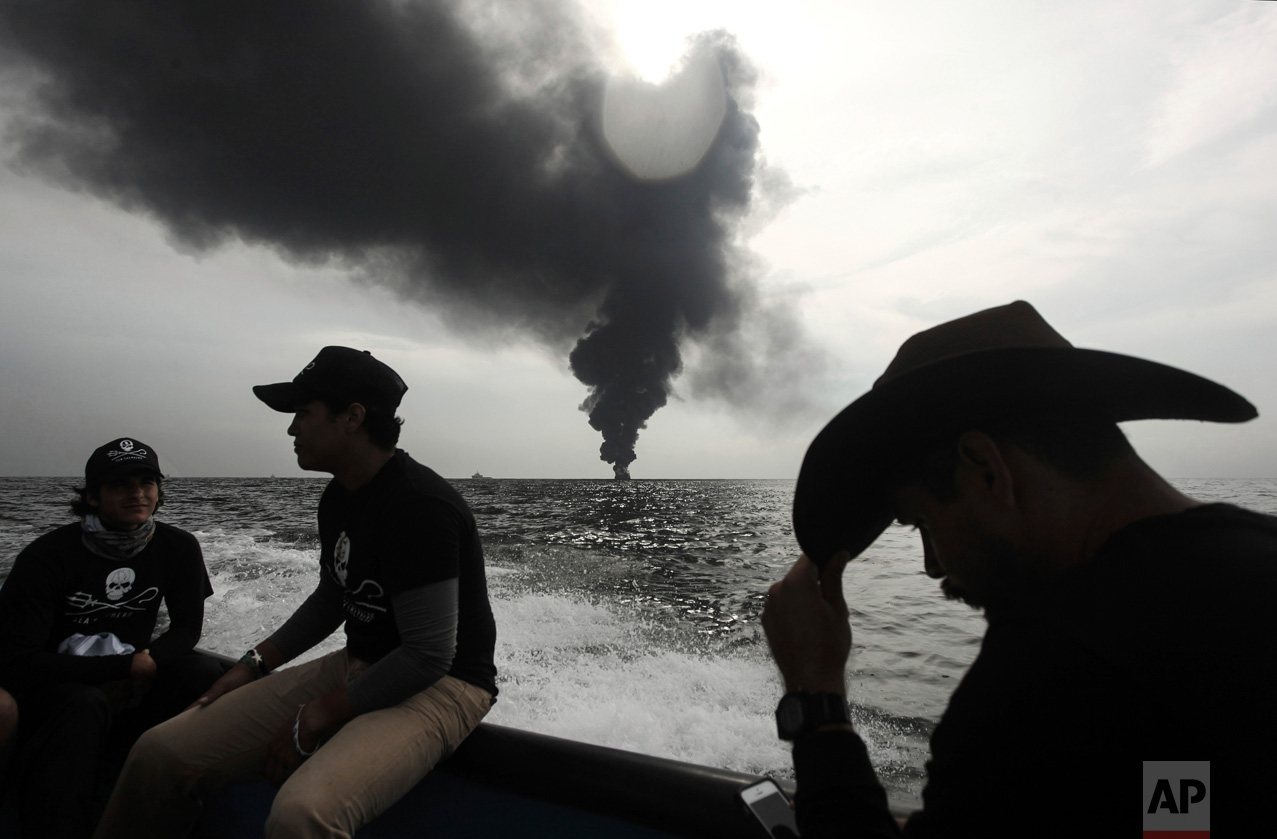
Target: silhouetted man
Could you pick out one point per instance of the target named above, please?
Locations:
(1126, 621)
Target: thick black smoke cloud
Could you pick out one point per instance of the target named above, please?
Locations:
(445, 148)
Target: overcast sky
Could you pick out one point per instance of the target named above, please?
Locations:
(1114, 162)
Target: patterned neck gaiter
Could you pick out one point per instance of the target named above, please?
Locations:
(115, 544)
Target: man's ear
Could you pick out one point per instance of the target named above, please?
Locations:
(356, 414)
(983, 470)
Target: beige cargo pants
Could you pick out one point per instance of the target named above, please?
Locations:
(359, 772)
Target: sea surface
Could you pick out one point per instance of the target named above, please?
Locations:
(627, 612)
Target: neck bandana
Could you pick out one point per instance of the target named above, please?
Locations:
(115, 544)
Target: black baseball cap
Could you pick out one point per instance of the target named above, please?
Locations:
(120, 457)
(338, 373)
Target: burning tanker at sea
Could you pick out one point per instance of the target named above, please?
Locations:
(479, 158)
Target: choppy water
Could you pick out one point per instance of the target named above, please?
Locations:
(627, 613)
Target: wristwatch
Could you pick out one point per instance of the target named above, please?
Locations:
(253, 661)
(800, 713)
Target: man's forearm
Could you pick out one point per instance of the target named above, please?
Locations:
(272, 657)
(177, 641)
(316, 619)
(427, 622)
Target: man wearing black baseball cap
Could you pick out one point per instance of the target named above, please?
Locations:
(77, 615)
(401, 564)
(1126, 621)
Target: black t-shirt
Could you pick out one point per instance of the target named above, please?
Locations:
(406, 528)
(1160, 648)
(58, 588)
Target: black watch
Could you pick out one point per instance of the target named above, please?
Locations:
(800, 713)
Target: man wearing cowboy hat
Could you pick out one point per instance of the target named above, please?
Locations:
(345, 735)
(77, 616)
(1127, 622)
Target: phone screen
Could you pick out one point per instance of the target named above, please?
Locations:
(769, 805)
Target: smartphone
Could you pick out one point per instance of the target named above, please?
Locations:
(769, 804)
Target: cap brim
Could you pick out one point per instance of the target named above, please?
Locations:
(113, 472)
(840, 500)
(285, 397)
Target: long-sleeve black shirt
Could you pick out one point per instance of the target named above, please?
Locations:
(58, 588)
(1160, 648)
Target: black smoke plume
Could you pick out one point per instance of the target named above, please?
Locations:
(447, 148)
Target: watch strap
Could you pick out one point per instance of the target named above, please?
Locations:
(801, 712)
(253, 661)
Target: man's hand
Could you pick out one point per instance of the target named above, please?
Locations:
(282, 758)
(142, 670)
(236, 677)
(316, 721)
(142, 667)
(805, 618)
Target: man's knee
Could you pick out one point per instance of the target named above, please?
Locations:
(156, 750)
(301, 810)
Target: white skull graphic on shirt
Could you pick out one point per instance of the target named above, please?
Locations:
(119, 583)
(341, 558)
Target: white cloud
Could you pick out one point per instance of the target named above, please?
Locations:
(1222, 83)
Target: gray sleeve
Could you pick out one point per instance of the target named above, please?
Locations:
(316, 619)
(427, 622)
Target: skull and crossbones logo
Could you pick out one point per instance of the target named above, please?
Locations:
(341, 558)
(119, 583)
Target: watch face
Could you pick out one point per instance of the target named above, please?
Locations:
(789, 715)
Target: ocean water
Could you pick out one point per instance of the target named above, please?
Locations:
(627, 612)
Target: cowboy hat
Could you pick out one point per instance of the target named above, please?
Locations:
(1001, 362)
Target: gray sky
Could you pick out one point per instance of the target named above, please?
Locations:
(1112, 162)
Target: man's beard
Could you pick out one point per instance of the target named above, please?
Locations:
(953, 591)
(1003, 576)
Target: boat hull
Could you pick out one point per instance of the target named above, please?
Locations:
(504, 782)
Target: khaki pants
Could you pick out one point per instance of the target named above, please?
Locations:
(359, 772)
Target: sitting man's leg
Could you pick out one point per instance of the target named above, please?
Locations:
(175, 765)
(60, 744)
(374, 760)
